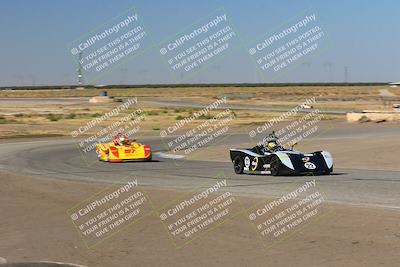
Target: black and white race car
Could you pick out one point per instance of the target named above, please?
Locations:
(271, 158)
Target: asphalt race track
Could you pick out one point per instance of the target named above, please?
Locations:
(61, 159)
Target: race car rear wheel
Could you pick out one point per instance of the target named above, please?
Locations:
(275, 165)
(238, 165)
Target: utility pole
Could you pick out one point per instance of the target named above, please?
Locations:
(80, 76)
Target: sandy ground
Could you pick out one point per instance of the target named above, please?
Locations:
(35, 226)
(58, 112)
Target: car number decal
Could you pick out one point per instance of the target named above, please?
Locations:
(310, 165)
(254, 164)
(247, 162)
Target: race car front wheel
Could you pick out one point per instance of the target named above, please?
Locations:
(275, 166)
(238, 165)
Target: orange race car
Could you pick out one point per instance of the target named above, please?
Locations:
(122, 149)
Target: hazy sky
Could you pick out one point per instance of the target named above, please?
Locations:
(360, 36)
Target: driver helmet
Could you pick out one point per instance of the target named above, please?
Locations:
(270, 142)
(271, 145)
(122, 140)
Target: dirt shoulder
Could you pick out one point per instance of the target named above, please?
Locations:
(35, 226)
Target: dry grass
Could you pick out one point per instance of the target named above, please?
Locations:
(60, 119)
(212, 92)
